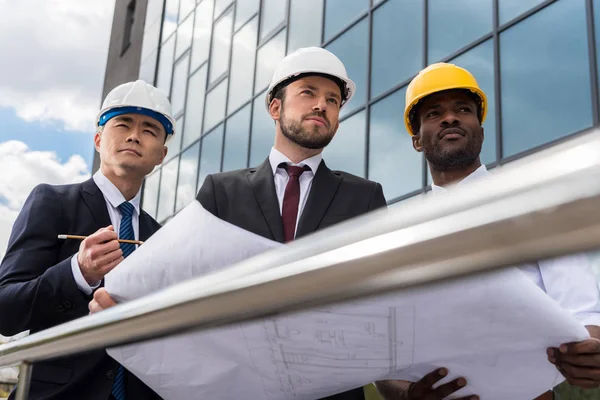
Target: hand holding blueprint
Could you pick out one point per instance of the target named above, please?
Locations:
(492, 329)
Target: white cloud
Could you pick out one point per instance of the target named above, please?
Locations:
(26, 169)
(57, 51)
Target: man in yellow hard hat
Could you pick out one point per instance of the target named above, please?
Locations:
(444, 113)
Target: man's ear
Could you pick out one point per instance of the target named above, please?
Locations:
(97, 140)
(417, 143)
(164, 154)
(275, 109)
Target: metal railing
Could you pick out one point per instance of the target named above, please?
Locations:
(545, 206)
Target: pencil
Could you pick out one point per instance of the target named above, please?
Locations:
(83, 237)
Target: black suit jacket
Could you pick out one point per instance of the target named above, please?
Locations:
(247, 198)
(38, 290)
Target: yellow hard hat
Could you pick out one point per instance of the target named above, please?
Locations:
(437, 78)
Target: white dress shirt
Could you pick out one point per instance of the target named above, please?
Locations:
(569, 280)
(281, 177)
(113, 198)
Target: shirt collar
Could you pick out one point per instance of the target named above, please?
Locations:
(478, 173)
(276, 157)
(112, 194)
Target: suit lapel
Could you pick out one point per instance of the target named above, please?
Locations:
(263, 186)
(322, 191)
(94, 200)
(146, 226)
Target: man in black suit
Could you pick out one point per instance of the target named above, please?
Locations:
(45, 281)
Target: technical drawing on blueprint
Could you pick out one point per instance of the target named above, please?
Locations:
(315, 349)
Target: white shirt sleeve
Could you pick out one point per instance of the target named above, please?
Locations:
(571, 282)
(79, 279)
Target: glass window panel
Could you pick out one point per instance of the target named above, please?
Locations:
(221, 42)
(151, 186)
(174, 143)
(195, 107)
(186, 8)
(454, 24)
(375, 2)
(151, 38)
(242, 65)
(352, 48)
(271, 16)
(551, 97)
(186, 184)
(263, 132)
(148, 68)
(180, 77)
(202, 32)
(306, 17)
(221, 5)
(184, 36)
(165, 66)
(397, 31)
(339, 13)
(153, 11)
(391, 149)
(170, 18)
(237, 136)
(510, 9)
(480, 62)
(597, 37)
(210, 158)
(346, 152)
(268, 57)
(215, 106)
(166, 199)
(244, 10)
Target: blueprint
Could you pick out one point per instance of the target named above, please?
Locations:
(492, 329)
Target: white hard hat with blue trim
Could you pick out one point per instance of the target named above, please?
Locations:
(137, 97)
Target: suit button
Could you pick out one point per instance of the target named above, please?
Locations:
(110, 374)
(59, 308)
(68, 304)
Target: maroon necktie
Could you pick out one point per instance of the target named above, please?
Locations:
(291, 199)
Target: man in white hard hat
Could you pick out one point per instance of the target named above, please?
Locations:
(45, 281)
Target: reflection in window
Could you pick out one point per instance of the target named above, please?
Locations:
(263, 132)
(551, 97)
(215, 106)
(174, 143)
(148, 68)
(391, 150)
(221, 5)
(179, 85)
(272, 15)
(151, 38)
(375, 2)
(150, 197)
(268, 57)
(510, 9)
(454, 24)
(195, 107)
(210, 157)
(186, 184)
(165, 66)
(340, 13)
(244, 10)
(236, 140)
(346, 152)
(184, 36)
(352, 48)
(306, 17)
(202, 29)
(397, 32)
(242, 65)
(170, 18)
(221, 41)
(166, 199)
(186, 8)
(480, 62)
(597, 37)
(153, 11)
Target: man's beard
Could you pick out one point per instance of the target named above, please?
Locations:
(453, 158)
(310, 139)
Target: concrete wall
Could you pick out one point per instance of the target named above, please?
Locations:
(123, 66)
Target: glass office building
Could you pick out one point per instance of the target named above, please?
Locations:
(536, 60)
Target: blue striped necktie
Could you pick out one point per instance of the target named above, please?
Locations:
(125, 232)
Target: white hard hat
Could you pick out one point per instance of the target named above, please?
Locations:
(137, 97)
(310, 60)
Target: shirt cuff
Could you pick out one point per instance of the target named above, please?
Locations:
(80, 280)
